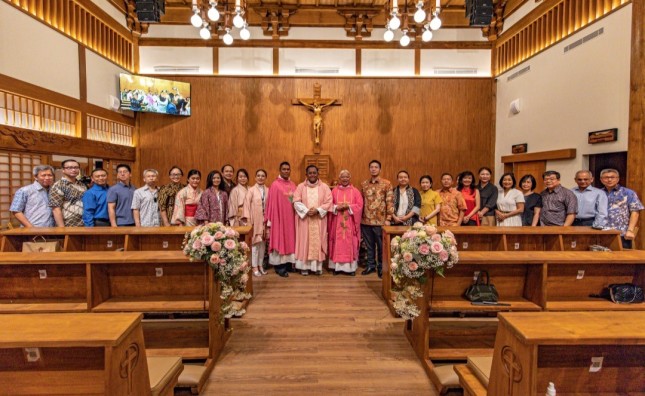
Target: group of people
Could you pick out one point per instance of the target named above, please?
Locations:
(164, 102)
(310, 223)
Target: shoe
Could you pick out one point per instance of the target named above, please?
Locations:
(352, 273)
(336, 273)
(319, 272)
(283, 274)
(257, 273)
(368, 271)
(380, 273)
(304, 273)
(262, 271)
(291, 267)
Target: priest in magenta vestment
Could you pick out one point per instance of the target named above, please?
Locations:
(345, 226)
(280, 218)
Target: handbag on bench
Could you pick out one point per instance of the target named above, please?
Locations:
(40, 245)
(480, 291)
(621, 293)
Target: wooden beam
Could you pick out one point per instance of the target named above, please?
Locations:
(215, 60)
(343, 44)
(636, 142)
(19, 139)
(82, 79)
(540, 156)
(276, 61)
(417, 60)
(36, 92)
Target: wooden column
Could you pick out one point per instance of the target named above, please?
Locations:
(359, 61)
(276, 61)
(636, 143)
(417, 59)
(215, 60)
(82, 82)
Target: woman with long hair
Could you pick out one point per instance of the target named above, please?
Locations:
(407, 201)
(253, 215)
(213, 205)
(236, 198)
(466, 185)
(532, 201)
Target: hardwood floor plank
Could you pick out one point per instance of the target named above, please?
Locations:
(318, 335)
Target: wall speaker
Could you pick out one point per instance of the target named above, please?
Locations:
(515, 106)
(113, 102)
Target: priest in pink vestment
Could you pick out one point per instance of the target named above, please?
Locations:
(345, 226)
(312, 201)
(281, 221)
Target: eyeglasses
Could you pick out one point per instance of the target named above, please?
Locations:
(176, 174)
(609, 177)
(71, 167)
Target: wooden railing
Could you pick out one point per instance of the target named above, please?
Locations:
(85, 23)
(540, 32)
(109, 131)
(23, 112)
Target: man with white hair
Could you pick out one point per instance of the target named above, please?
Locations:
(592, 202)
(623, 206)
(145, 207)
(30, 205)
(345, 226)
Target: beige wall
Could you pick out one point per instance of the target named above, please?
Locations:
(32, 52)
(102, 79)
(567, 95)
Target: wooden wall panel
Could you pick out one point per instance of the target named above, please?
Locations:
(422, 125)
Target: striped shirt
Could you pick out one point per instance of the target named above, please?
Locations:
(33, 202)
(556, 205)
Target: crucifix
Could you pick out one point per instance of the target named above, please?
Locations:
(316, 105)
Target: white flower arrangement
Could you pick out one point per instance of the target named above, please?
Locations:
(419, 249)
(218, 245)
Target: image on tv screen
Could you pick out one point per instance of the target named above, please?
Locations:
(154, 95)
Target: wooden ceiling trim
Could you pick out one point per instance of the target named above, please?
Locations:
(338, 44)
(547, 25)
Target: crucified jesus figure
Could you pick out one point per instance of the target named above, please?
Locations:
(317, 108)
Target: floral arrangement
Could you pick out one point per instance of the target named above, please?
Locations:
(417, 250)
(218, 245)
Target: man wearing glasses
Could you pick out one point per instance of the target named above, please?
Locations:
(624, 206)
(119, 198)
(559, 204)
(66, 196)
(145, 207)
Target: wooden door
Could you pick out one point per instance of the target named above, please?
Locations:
(535, 168)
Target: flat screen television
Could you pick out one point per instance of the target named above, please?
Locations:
(154, 95)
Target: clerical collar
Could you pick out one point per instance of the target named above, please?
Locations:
(313, 184)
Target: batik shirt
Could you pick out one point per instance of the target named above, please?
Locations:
(68, 196)
(378, 200)
(622, 202)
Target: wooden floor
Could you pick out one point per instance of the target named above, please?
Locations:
(318, 335)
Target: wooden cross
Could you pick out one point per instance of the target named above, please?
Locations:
(316, 105)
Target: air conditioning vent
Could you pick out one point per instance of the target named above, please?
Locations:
(317, 70)
(176, 69)
(583, 40)
(519, 73)
(455, 71)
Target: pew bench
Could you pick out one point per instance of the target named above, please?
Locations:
(452, 329)
(179, 298)
(580, 352)
(503, 239)
(84, 354)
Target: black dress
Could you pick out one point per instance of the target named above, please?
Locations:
(531, 202)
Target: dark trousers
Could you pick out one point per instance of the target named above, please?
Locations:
(583, 222)
(627, 244)
(101, 223)
(374, 243)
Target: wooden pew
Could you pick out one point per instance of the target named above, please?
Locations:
(452, 329)
(533, 349)
(108, 239)
(506, 239)
(80, 354)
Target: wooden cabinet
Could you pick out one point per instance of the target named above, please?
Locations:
(73, 354)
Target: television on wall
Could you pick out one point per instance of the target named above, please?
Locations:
(154, 95)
